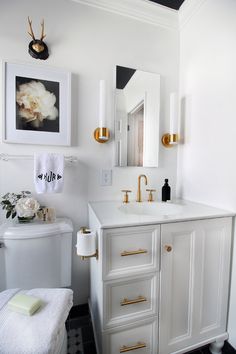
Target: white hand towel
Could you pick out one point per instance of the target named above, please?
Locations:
(48, 173)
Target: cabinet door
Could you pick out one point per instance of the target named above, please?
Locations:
(195, 264)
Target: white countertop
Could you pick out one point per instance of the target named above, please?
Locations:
(112, 214)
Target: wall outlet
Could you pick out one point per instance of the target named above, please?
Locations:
(106, 178)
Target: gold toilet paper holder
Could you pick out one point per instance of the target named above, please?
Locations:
(92, 255)
(85, 230)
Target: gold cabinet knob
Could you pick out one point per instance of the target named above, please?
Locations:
(150, 194)
(126, 196)
(168, 248)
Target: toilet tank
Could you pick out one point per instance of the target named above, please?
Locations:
(37, 254)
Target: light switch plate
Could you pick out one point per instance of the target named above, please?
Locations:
(106, 178)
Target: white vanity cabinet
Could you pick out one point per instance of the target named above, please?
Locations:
(194, 283)
(161, 288)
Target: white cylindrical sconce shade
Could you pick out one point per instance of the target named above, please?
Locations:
(102, 104)
(172, 138)
(173, 113)
(102, 134)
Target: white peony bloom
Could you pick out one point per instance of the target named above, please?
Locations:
(36, 103)
(27, 207)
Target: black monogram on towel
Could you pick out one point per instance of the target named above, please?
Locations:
(49, 177)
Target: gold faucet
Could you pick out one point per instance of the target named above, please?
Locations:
(139, 196)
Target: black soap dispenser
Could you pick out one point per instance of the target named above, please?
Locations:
(166, 191)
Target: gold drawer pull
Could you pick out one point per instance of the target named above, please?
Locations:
(132, 253)
(134, 301)
(139, 345)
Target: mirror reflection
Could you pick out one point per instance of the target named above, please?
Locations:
(137, 117)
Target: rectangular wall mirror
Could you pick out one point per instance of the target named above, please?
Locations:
(137, 110)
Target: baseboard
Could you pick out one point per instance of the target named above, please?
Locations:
(93, 324)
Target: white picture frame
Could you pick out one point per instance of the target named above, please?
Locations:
(37, 105)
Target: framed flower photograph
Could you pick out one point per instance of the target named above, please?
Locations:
(37, 105)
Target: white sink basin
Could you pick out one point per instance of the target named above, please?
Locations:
(152, 208)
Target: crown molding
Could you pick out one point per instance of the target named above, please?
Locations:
(142, 10)
(188, 9)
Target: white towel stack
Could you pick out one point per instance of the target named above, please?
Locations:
(20, 334)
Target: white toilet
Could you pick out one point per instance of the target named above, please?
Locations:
(36, 255)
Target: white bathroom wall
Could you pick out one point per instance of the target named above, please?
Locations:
(88, 42)
(207, 168)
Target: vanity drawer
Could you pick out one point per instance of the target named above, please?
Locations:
(130, 300)
(140, 338)
(130, 250)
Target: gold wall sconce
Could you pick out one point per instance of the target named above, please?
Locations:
(102, 134)
(171, 139)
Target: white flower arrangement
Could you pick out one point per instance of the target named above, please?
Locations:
(21, 205)
(27, 207)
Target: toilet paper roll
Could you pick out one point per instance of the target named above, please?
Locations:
(86, 243)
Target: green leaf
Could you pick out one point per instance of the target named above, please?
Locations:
(13, 215)
(6, 202)
(8, 214)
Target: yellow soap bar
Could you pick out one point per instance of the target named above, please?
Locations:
(24, 304)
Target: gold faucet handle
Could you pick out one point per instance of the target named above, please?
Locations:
(150, 194)
(126, 196)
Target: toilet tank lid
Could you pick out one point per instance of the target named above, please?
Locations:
(35, 229)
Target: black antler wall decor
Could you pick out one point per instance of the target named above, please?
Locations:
(37, 47)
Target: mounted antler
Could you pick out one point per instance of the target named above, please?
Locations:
(37, 47)
(31, 33)
(42, 32)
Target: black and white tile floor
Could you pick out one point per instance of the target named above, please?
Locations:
(74, 341)
(81, 338)
(80, 331)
